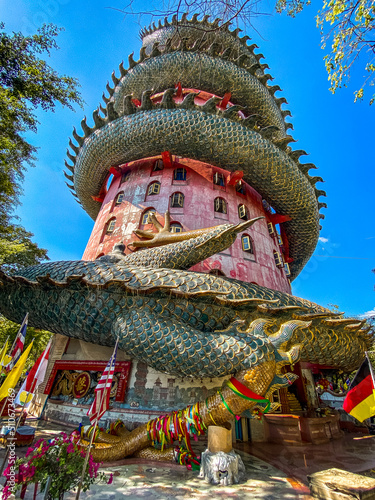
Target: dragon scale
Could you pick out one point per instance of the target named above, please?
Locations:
(201, 71)
(227, 144)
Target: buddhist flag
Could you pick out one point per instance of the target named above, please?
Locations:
(34, 378)
(360, 400)
(14, 375)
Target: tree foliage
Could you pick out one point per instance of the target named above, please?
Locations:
(27, 83)
(17, 250)
(348, 27)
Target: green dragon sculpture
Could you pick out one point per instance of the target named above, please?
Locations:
(177, 321)
(183, 323)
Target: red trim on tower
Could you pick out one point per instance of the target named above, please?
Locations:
(278, 218)
(167, 158)
(179, 89)
(115, 172)
(234, 177)
(225, 100)
(287, 259)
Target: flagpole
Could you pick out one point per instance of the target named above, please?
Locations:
(5, 343)
(2, 366)
(2, 409)
(93, 432)
(15, 430)
(6, 399)
(370, 366)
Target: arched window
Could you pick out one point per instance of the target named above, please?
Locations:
(177, 200)
(219, 179)
(240, 187)
(271, 228)
(110, 226)
(146, 217)
(287, 270)
(158, 165)
(278, 259)
(220, 205)
(119, 198)
(153, 188)
(247, 244)
(179, 174)
(243, 212)
(100, 255)
(125, 176)
(279, 239)
(176, 227)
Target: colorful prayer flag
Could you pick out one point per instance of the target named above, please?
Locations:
(14, 375)
(360, 400)
(34, 378)
(103, 390)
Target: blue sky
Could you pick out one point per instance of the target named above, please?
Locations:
(337, 134)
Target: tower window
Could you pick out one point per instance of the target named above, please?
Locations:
(146, 217)
(111, 226)
(247, 244)
(179, 174)
(243, 212)
(287, 269)
(154, 188)
(240, 187)
(119, 199)
(271, 228)
(278, 259)
(177, 200)
(158, 165)
(125, 176)
(220, 205)
(176, 227)
(219, 179)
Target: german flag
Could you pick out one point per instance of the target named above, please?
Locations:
(360, 400)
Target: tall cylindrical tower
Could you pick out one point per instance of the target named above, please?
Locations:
(197, 195)
(194, 128)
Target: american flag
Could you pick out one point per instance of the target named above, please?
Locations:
(103, 390)
(18, 344)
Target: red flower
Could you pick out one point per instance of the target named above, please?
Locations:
(70, 448)
(110, 480)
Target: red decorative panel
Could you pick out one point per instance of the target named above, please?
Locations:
(121, 367)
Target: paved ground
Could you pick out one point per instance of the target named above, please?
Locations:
(273, 471)
(354, 453)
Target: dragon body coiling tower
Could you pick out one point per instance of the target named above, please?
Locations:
(192, 130)
(202, 135)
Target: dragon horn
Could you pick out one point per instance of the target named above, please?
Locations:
(244, 225)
